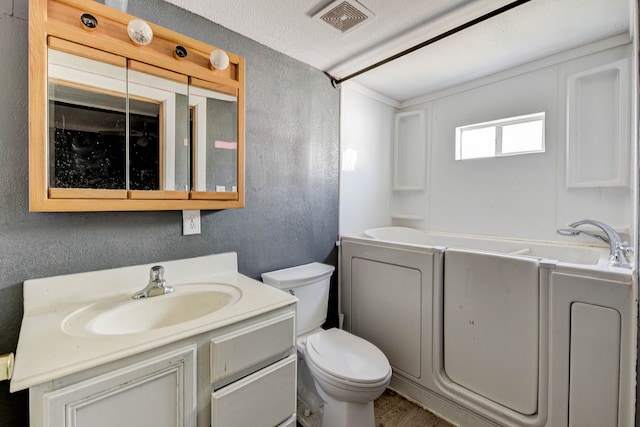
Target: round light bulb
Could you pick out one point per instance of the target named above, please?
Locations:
(140, 32)
(219, 59)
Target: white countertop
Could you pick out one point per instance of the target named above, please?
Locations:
(46, 352)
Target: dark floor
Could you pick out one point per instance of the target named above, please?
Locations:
(393, 410)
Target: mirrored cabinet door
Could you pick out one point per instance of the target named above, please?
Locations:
(87, 122)
(214, 116)
(158, 149)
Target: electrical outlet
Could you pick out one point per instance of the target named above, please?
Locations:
(190, 222)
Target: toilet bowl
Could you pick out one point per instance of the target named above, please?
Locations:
(339, 374)
(349, 374)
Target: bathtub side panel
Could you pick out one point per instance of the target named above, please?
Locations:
(387, 299)
(568, 365)
(378, 289)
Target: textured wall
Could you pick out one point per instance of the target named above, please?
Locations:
(291, 214)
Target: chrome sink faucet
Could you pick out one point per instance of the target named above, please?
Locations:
(156, 286)
(620, 250)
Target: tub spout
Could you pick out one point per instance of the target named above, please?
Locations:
(619, 249)
(576, 232)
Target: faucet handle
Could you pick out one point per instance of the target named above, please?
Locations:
(624, 247)
(156, 274)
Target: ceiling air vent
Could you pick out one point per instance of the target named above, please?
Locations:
(344, 16)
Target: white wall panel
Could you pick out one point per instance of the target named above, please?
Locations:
(366, 135)
(505, 196)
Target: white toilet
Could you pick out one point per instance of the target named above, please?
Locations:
(339, 374)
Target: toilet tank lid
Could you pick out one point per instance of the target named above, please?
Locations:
(298, 276)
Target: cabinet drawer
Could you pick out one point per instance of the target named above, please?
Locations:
(266, 398)
(235, 353)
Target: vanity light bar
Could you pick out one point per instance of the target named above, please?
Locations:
(197, 58)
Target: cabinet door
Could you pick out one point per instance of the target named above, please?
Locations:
(156, 393)
(158, 162)
(86, 123)
(216, 139)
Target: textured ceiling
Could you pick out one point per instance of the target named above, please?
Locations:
(530, 31)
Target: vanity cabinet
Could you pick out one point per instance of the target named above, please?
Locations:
(117, 125)
(242, 374)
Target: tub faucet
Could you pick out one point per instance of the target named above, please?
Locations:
(156, 286)
(620, 250)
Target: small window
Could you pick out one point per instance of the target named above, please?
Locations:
(505, 137)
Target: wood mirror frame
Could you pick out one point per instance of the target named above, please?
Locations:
(90, 29)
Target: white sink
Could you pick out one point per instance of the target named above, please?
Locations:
(123, 315)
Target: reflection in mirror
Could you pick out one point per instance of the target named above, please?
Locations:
(215, 138)
(159, 129)
(87, 122)
(145, 145)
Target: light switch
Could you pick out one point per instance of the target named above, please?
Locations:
(190, 222)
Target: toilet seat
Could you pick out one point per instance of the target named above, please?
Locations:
(301, 340)
(347, 358)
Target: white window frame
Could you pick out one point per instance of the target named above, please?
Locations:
(498, 125)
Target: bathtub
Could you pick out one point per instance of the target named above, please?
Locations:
(587, 255)
(487, 331)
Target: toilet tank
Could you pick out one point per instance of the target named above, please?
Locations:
(310, 283)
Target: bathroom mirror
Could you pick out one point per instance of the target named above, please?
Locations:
(117, 126)
(159, 129)
(214, 116)
(94, 105)
(87, 119)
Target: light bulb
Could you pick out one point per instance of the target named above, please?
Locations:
(140, 32)
(219, 59)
